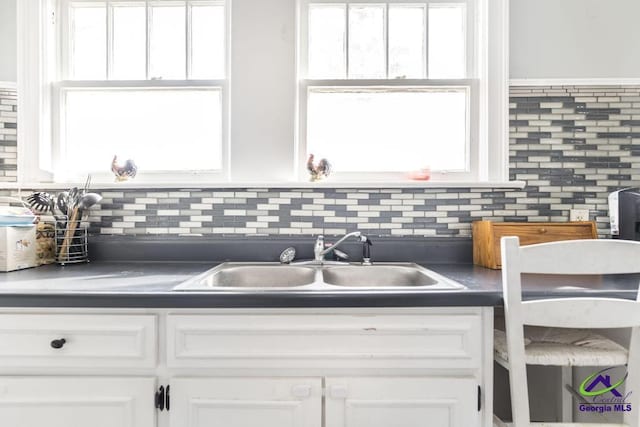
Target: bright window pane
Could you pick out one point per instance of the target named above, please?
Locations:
(379, 130)
(366, 42)
(207, 42)
(406, 41)
(327, 34)
(129, 39)
(447, 41)
(168, 129)
(88, 42)
(168, 45)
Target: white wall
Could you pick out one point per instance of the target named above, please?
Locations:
(575, 39)
(263, 88)
(7, 40)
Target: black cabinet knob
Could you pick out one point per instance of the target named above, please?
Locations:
(58, 343)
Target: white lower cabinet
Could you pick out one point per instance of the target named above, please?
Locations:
(401, 402)
(247, 368)
(77, 402)
(348, 402)
(246, 402)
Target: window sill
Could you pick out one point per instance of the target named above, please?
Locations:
(281, 184)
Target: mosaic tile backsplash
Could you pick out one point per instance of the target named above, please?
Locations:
(571, 145)
(8, 134)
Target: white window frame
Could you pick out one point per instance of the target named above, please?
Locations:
(472, 154)
(264, 127)
(62, 84)
(470, 84)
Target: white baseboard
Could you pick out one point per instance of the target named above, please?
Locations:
(576, 82)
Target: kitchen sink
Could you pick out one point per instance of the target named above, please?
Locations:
(258, 276)
(310, 276)
(377, 276)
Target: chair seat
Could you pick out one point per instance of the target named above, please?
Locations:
(564, 347)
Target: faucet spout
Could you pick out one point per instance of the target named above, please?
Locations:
(320, 251)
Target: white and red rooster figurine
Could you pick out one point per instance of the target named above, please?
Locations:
(319, 171)
(123, 173)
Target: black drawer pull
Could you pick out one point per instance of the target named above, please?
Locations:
(57, 344)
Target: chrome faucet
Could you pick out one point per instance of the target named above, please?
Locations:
(320, 251)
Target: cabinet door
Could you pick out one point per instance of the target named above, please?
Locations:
(402, 402)
(246, 402)
(77, 402)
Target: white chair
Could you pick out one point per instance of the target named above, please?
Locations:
(585, 257)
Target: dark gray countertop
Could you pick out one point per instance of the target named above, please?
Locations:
(149, 285)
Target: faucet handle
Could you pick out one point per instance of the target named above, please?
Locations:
(366, 250)
(318, 248)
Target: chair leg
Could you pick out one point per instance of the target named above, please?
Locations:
(519, 390)
(566, 377)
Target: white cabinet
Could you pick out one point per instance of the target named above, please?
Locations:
(401, 402)
(78, 340)
(346, 367)
(348, 402)
(77, 402)
(402, 340)
(246, 402)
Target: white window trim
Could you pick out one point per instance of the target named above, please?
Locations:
(46, 68)
(62, 86)
(436, 176)
(61, 89)
(487, 144)
(35, 31)
(37, 72)
(494, 112)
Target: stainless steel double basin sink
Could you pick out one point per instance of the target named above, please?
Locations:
(312, 276)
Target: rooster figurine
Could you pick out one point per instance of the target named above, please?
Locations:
(322, 170)
(123, 173)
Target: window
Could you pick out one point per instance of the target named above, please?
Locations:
(390, 87)
(364, 129)
(199, 94)
(144, 80)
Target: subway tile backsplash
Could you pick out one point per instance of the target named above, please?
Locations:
(292, 211)
(8, 135)
(571, 145)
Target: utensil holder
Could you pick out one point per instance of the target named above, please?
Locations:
(71, 241)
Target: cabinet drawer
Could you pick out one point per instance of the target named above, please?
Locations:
(331, 341)
(487, 235)
(59, 340)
